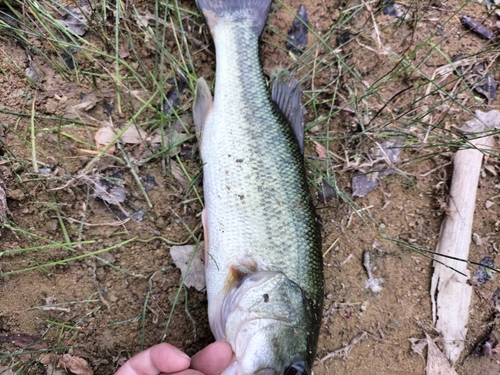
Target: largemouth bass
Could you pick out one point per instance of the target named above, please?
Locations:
(264, 268)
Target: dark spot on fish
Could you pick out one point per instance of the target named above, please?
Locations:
(228, 188)
(239, 160)
(241, 196)
(266, 298)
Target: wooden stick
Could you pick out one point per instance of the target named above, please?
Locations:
(450, 293)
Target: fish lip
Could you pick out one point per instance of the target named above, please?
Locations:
(235, 369)
(266, 371)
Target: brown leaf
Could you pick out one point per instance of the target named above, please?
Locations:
(182, 256)
(76, 365)
(102, 137)
(178, 174)
(47, 358)
(133, 135)
(320, 150)
(124, 53)
(23, 340)
(4, 370)
(4, 209)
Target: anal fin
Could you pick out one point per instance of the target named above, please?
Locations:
(287, 94)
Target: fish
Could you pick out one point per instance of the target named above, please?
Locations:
(263, 260)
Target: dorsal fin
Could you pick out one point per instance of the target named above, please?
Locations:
(287, 94)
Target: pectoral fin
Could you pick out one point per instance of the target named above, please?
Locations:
(206, 238)
(203, 104)
(287, 94)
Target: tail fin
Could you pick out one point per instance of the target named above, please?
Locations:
(255, 11)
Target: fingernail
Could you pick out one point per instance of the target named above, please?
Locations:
(180, 353)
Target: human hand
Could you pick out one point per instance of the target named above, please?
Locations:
(163, 359)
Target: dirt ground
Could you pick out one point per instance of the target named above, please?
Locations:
(120, 292)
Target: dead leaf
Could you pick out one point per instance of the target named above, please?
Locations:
(102, 137)
(142, 20)
(47, 358)
(320, 150)
(133, 135)
(363, 183)
(172, 143)
(4, 209)
(483, 122)
(437, 363)
(86, 105)
(325, 192)
(52, 371)
(89, 102)
(389, 149)
(24, 340)
(4, 370)
(110, 188)
(181, 256)
(418, 345)
(124, 53)
(50, 300)
(179, 175)
(76, 365)
(75, 19)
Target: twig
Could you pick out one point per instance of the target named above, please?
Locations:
(33, 136)
(344, 352)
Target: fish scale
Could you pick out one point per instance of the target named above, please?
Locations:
(262, 231)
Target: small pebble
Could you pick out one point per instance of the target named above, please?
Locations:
(477, 239)
(16, 194)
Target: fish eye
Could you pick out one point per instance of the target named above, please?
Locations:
(298, 368)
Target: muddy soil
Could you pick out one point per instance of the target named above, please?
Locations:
(113, 289)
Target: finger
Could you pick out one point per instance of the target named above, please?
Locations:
(213, 359)
(161, 358)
